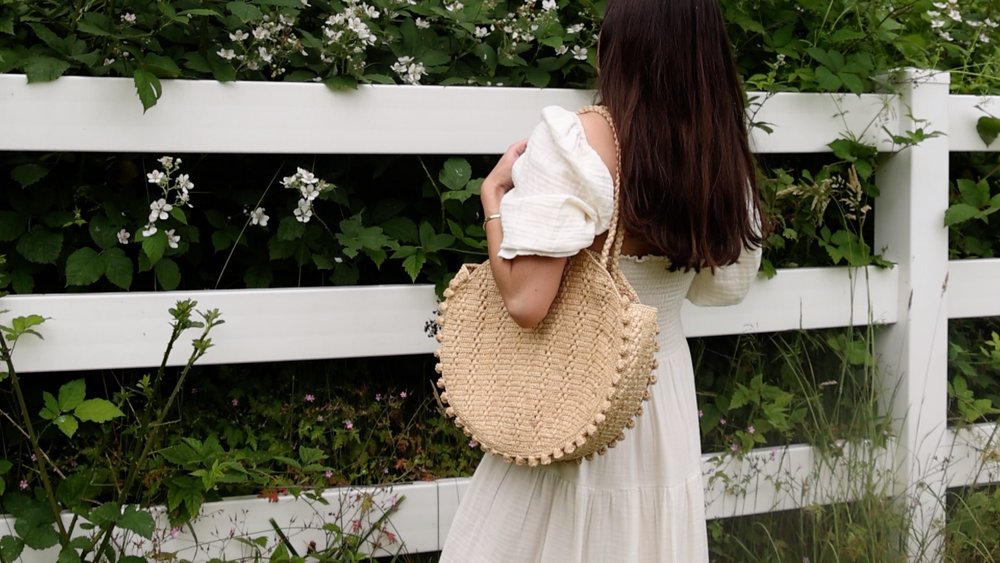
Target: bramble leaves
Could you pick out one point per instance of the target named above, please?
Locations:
(988, 128)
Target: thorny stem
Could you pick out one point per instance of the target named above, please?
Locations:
(28, 436)
(40, 457)
(200, 346)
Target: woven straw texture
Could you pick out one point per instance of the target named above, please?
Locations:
(563, 390)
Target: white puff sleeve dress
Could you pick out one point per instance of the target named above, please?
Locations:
(643, 501)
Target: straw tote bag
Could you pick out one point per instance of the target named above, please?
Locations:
(560, 391)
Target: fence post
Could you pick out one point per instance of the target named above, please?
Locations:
(909, 226)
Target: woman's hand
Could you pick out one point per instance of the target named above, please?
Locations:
(499, 181)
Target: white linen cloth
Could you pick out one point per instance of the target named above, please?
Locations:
(643, 501)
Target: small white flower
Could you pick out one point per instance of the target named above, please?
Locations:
(286, 20)
(481, 32)
(128, 17)
(109, 61)
(579, 53)
(303, 212)
(421, 23)
(947, 36)
(172, 239)
(239, 35)
(955, 15)
(184, 182)
(156, 177)
(549, 5)
(575, 28)
(305, 3)
(309, 192)
(258, 217)
(227, 54)
(123, 236)
(561, 50)
(983, 38)
(166, 161)
(305, 176)
(159, 209)
(149, 230)
(454, 6)
(265, 55)
(260, 33)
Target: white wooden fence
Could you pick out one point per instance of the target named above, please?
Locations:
(915, 299)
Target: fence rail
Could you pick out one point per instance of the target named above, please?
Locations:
(913, 300)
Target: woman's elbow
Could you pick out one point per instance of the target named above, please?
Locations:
(526, 313)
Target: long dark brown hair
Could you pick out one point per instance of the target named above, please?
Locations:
(667, 75)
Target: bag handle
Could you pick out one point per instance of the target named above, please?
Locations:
(616, 236)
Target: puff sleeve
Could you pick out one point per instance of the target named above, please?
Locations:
(727, 285)
(563, 193)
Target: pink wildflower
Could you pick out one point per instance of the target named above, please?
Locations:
(751, 429)
(235, 402)
(174, 532)
(309, 398)
(349, 425)
(23, 484)
(355, 526)
(378, 396)
(402, 394)
(328, 474)
(473, 444)
(734, 447)
(722, 421)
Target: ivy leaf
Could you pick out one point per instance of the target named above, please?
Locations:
(960, 213)
(117, 267)
(988, 128)
(40, 245)
(148, 86)
(84, 267)
(168, 274)
(71, 395)
(455, 173)
(67, 423)
(138, 521)
(97, 410)
(28, 174)
(42, 68)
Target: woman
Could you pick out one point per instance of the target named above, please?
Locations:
(690, 209)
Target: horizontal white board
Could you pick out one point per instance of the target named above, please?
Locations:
(204, 116)
(970, 455)
(130, 330)
(973, 287)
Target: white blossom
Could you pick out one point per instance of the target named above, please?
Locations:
(983, 38)
(481, 32)
(227, 54)
(258, 217)
(303, 212)
(454, 6)
(166, 161)
(575, 28)
(409, 70)
(149, 230)
(123, 236)
(261, 33)
(561, 50)
(156, 177)
(239, 35)
(109, 61)
(172, 239)
(549, 5)
(128, 17)
(579, 53)
(159, 209)
(421, 23)
(265, 55)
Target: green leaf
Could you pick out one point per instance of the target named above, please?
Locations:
(138, 521)
(103, 232)
(148, 86)
(827, 80)
(414, 264)
(95, 23)
(42, 68)
(97, 410)
(40, 245)
(960, 213)
(246, 12)
(68, 554)
(455, 173)
(311, 455)
(168, 274)
(67, 423)
(105, 515)
(154, 246)
(118, 267)
(291, 229)
(41, 537)
(12, 225)
(28, 174)
(71, 395)
(6, 26)
(341, 83)
(161, 66)
(50, 409)
(75, 489)
(5, 466)
(537, 77)
(84, 267)
(988, 128)
(11, 548)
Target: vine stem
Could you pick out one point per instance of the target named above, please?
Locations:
(40, 457)
(28, 436)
